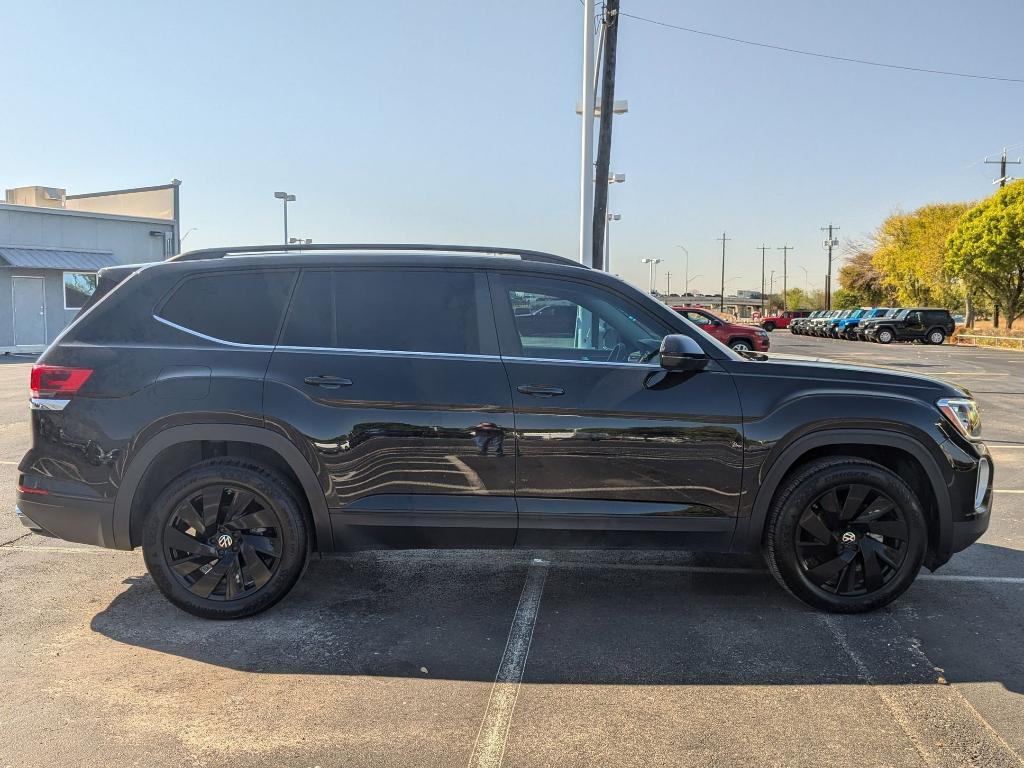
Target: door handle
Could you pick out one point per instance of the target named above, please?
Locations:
(327, 382)
(540, 390)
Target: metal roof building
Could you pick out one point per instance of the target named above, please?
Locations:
(52, 244)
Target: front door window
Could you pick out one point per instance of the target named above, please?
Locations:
(569, 321)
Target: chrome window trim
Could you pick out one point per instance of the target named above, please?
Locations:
(386, 352)
(562, 361)
(399, 352)
(214, 339)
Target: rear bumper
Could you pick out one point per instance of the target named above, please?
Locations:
(83, 521)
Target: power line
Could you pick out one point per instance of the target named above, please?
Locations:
(848, 60)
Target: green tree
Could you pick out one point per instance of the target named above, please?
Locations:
(910, 254)
(844, 299)
(986, 250)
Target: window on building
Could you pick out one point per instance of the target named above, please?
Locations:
(243, 307)
(78, 287)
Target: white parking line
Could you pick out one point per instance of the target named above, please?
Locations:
(489, 749)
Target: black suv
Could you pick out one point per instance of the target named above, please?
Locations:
(927, 324)
(232, 411)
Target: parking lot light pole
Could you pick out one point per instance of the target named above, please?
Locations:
(686, 269)
(285, 198)
(607, 237)
(654, 266)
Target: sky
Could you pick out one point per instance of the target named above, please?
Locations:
(454, 121)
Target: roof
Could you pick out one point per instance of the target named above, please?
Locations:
(31, 257)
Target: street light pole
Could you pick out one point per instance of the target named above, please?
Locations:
(587, 139)
(653, 263)
(285, 198)
(607, 237)
(686, 271)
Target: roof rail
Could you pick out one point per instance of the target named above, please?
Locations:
(244, 250)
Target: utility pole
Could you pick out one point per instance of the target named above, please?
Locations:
(1002, 161)
(763, 248)
(785, 252)
(668, 283)
(829, 244)
(587, 139)
(610, 38)
(721, 298)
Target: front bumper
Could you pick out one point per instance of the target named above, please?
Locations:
(970, 493)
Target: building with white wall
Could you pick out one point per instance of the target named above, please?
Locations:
(52, 244)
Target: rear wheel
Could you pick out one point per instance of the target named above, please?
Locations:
(846, 535)
(936, 336)
(226, 539)
(769, 326)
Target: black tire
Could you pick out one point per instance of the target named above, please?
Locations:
(769, 326)
(243, 536)
(741, 345)
(936, 336)
(885, 336)
(806, 545)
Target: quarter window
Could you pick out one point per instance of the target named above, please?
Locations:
(243, 307)
(78, 287)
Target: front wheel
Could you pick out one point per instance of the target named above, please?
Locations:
(885, 336)
(740, 345)
(845, 535)
(936, 336)
(226, 539)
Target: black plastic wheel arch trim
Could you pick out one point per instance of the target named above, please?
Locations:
(750, 530)
(238, 433)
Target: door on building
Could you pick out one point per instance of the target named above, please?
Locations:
(29, 312)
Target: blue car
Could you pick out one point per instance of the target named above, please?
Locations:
(834, 327)
(848, 330)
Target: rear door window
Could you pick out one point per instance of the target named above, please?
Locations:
(395, 309)
(241, 307)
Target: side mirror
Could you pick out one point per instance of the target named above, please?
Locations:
(681, 353)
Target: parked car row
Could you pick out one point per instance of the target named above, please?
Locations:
(885, 325)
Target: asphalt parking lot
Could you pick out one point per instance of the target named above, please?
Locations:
(524, 658)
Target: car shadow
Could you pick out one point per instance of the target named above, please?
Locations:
(604, 618)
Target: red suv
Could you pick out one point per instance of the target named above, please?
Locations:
(783, 319)
(739, 337)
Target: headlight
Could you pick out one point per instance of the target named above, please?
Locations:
(762, 333)
(962, 413)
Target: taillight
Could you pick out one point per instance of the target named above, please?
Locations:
(52, 381)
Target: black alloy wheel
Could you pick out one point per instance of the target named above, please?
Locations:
(851, 540)
(845, 534)
(223, 542)
(226, 539)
